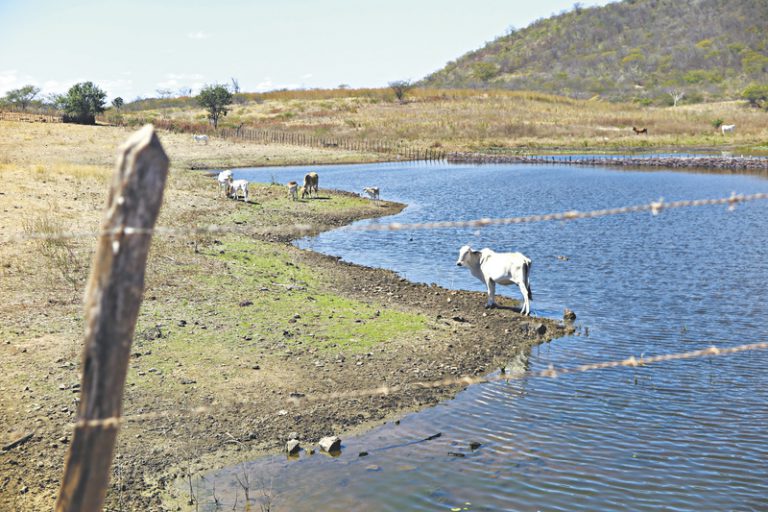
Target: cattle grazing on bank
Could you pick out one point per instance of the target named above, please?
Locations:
(373, 192)
(200, 138)
(311, 182)
(727, 128)
(499, 267)
(639, 131)
(293, 190)
(223, 179)
(237, 186)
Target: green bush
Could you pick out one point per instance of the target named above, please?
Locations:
(756, 95)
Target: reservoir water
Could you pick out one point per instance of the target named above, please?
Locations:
(681, 435)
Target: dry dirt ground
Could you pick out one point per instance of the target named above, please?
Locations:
(240, 340)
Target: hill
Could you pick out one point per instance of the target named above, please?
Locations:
(641, 50)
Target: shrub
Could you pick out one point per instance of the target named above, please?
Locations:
(756, 95)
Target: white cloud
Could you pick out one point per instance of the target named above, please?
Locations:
(11, 79)
(306, 76)
(199, 35)
(268, 85)
(175, 81)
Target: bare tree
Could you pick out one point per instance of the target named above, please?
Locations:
(677, 95)
(235, 86)
(400, 87)
(185, 91)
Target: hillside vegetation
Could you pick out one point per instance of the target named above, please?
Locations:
(641, 50)
(468, 120)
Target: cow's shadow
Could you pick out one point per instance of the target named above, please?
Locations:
(507, 308)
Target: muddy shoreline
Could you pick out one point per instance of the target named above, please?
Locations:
(465, 339)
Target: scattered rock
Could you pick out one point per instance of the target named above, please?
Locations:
(330, 444)
(246, 303)
(460, 319)
(540, 328)
(292, 447)
(474, 445)
(292, 436)
(456, 454)
(362, 454)
(181, 323)
(569, 315)
(373, 467)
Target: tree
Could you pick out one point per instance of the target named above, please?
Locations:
(756, 95)
(82, 102)
(677, 95)
(22, 97)
(215, 99)
(118, 103)
(400, 87)
(235, 86)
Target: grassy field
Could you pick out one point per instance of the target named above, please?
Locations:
(477, 120)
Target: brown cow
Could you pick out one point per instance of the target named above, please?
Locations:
(311, 181)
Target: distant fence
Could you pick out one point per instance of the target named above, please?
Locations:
(737, 163)
(30, 117)
(396, 150)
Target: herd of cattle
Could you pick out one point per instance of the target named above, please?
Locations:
(236, 189)
(491, 268)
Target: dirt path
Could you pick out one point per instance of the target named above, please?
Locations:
(240, 340)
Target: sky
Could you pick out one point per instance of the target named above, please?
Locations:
(135, 48)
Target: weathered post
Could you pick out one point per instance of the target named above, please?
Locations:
(112, 302)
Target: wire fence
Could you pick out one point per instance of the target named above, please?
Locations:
(713, 162)
(654, 207)
(467, 380)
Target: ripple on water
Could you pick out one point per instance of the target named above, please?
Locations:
(680, 435)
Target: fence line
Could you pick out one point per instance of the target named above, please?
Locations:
(750, 163)
(397, 150)
(654, 207)
(385, 390)
(30, 116)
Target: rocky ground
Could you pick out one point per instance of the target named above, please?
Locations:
(241, 339)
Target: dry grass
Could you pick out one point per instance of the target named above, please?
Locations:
(488, 120)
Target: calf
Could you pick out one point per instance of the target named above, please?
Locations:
(499, 267)
(235, 186)
(373, 192)
(639, 131)
(293, 190)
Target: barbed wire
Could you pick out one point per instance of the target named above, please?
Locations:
(654, 207)
(386, 390)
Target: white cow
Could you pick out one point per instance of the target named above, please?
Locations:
(499, 267)
(235, 186)
(727, 128)
(373, 192)
(200, 138)
(223, 178)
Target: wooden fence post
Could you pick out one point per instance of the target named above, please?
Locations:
(112, 302)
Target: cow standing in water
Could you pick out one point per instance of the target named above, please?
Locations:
(499, 267)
